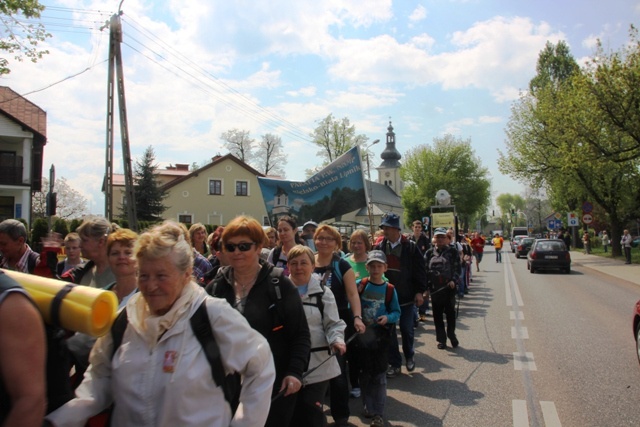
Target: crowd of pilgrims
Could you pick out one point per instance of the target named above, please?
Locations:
(300, 318)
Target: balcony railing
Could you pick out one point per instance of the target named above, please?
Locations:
(11, 170)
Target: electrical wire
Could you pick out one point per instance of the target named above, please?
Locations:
(52, 84)
(172, 61)
(289, 127)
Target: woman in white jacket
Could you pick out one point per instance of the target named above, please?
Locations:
(327, 337)
(159, 376)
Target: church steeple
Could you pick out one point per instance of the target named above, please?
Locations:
(389, 169)
(390, 156)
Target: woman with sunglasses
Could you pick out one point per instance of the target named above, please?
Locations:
(271, 305)
(336, 274)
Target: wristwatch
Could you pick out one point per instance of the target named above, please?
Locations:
(357, 317)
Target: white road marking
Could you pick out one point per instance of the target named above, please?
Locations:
(522, 362)
(550, 414)
(516, 314)
(520, 414)
(520, 332)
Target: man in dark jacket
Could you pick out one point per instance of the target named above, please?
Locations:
(406, 271)
(443, 272)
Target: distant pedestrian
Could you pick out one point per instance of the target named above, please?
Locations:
(586, 242)
(497, 244)
(606, 241)
(477, 244)
(626, 245)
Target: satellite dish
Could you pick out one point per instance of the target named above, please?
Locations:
(443, 198)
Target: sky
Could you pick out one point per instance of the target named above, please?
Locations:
(195, 69)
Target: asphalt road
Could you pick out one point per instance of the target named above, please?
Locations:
(535, 350)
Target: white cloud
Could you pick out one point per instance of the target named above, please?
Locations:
(303, 91)
(497, 55)
(418, 14)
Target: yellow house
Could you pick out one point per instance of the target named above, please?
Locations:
(216, 193)
(163, 176)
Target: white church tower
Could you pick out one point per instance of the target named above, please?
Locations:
(389, 169)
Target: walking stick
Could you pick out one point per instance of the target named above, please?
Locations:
(333, 353)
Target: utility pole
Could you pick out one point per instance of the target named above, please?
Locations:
(115, 67)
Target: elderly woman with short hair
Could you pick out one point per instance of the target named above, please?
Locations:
(270, 302)
(327, 337)
(159, 375)
(336, 274)
(97, 273)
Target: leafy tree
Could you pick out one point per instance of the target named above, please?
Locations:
(271, 155)
(70, 203)
(75, 223)
(149, 195)
(61, 227)
(449, 164)
(537, 207)
(240, 144)
(558, 137)
(39, 231)
(509, 204)
(336, 137)
(20, 38)
(614, 83)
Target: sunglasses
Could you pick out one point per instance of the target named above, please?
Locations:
(244, 246)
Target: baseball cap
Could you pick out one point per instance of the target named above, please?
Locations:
(376, 256)
(440, 232)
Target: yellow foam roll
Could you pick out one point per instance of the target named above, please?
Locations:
(83, 309)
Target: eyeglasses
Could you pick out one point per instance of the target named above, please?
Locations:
(324, 239)
(244, 246)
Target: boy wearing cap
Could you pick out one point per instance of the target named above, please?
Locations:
(380, 309)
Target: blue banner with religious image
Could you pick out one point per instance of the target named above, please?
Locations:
(335, 190)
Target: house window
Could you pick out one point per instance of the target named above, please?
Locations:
(265, 221)
(185, 218)
(215, 187)
(242, 188)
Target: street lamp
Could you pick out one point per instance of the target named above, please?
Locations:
(370, 202)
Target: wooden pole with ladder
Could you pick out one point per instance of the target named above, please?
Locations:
(116, 80)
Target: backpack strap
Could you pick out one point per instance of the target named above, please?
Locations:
(388, 297)
(31, 262)
(275, 296)
(335, 266)
(117, 330)
(276, 254)
(201, 327)
(362, 284)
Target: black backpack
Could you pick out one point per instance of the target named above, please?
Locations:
(439, 269)
(231, 383)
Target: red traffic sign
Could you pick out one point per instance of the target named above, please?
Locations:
(587, 207)
(587, 218)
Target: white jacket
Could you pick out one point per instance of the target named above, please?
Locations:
(325, 330)
(145, 391)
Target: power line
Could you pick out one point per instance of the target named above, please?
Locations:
(268, 115)
(52, 84)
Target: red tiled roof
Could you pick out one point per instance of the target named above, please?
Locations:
(23, 111)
